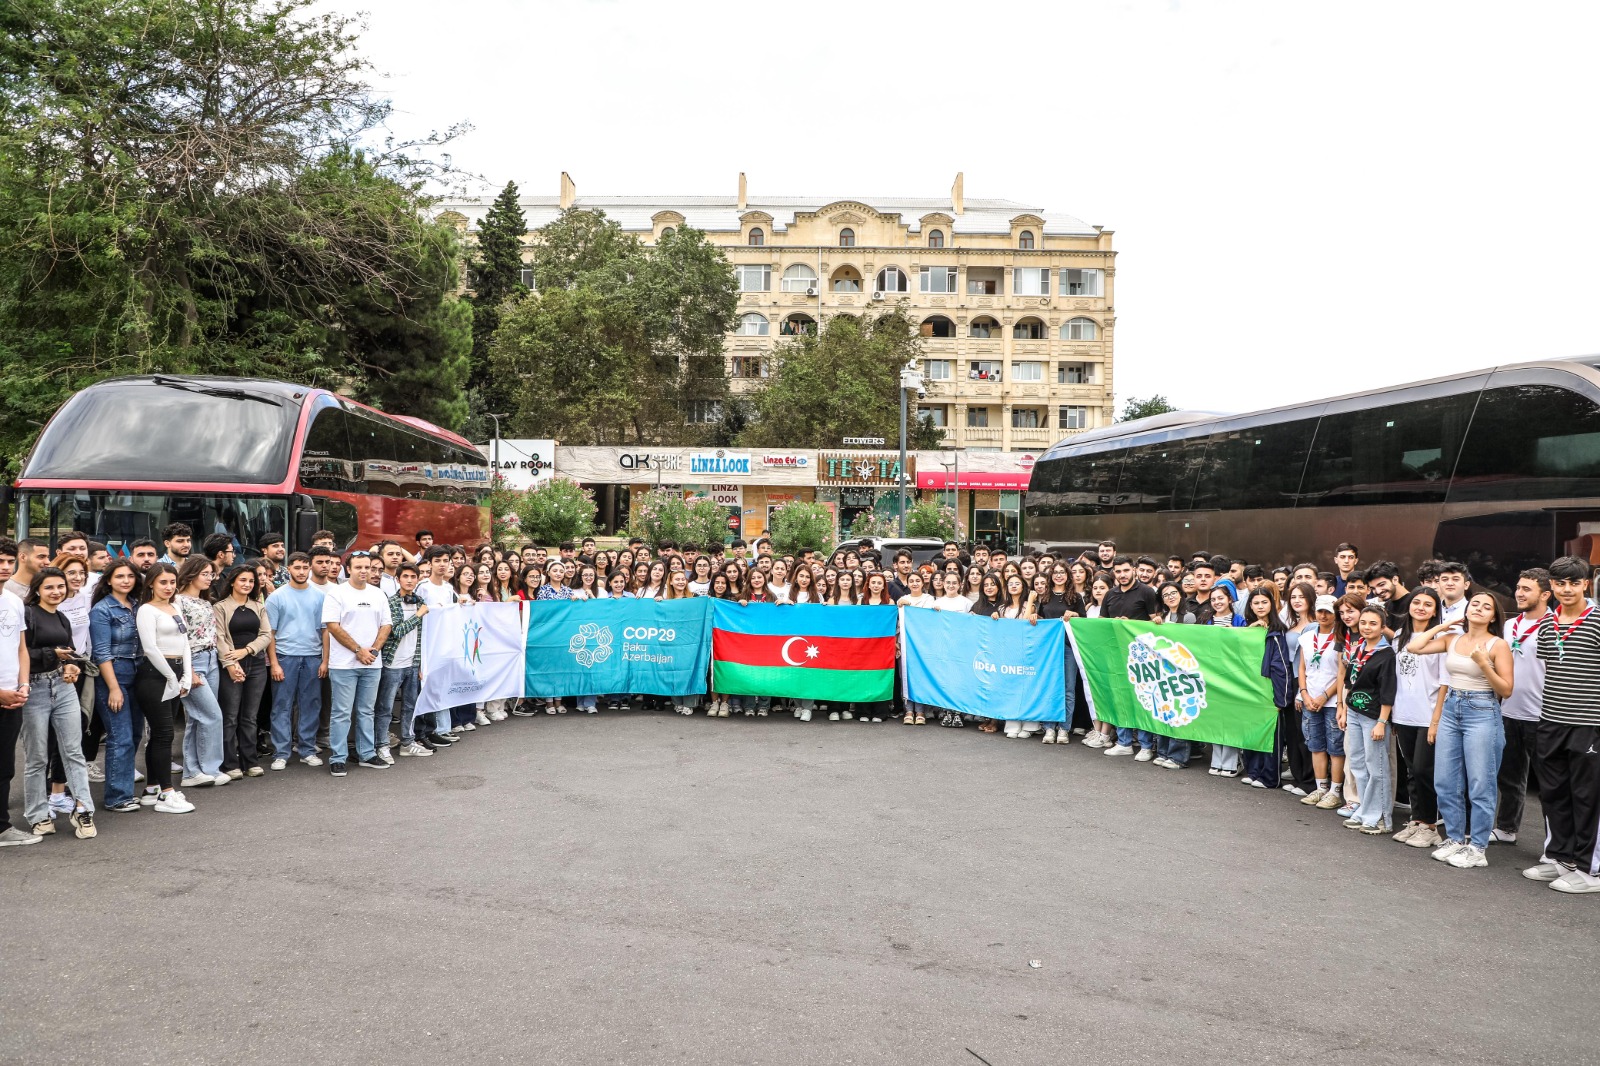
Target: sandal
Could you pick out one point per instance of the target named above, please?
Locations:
(988, 726)
(909, 719)
(920, 720)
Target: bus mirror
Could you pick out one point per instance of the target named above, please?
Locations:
(306, 525)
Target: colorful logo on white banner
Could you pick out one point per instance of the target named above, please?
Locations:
(472, 645)
(1167, 679)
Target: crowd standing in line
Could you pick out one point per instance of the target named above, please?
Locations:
(1426, 698)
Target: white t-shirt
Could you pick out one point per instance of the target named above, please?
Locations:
(362, 612)
(1417, 681)
(406, 650)
(76, 610)
(780, 592)
(13, 623)
(954, 604)
(699, 588)
(1525, 704)
(436, 596)
(1320, 675)
(923, 600)
(388, 585)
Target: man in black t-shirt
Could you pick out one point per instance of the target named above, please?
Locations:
(1130, 599)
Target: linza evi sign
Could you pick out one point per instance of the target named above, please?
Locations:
(866, 469)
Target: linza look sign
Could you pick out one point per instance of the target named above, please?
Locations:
(864, 468)
(620, 465)
(719, 463)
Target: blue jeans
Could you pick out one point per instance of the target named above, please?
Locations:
(1126, 737)
(1368, 763)
(1166, 747)
(300, 685)
(52, 706)
(402, 681)
(124, 730)
(355, 695)
(1466, 761)
(1322, 730)
(202, 736)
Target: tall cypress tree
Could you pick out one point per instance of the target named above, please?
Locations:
(494, 273)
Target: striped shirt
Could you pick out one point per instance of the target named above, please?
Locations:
(1571, 671)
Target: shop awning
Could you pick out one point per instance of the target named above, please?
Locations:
(970, 479)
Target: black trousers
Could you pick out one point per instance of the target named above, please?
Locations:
(1515, 761)
(159, 714)
(1569, 789)
(10, 730)
(1290, 735)
(1416, 755)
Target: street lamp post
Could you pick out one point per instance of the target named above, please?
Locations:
(494, 449)
(955, 461)
(910, 378)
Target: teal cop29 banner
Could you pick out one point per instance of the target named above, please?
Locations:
(595, 647)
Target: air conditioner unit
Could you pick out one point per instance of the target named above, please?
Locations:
(812, 291)
(877, 296)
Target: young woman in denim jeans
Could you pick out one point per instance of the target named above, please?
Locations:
(1367, 685)
(1467, 732)
(114, 654)
(52, 705)
(202, 733)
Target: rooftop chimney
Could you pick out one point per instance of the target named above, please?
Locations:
(957, 200)
(569, 191)
(742, 197)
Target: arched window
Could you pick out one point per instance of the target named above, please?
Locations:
(1029, 329)
(1079, 329)
(983, 328)
(1025, 239)
(891, 279)
(846, 279)
(799, 278)
(936, 238)
(753, 325)
(797, 325)
(667, 231)
(938, 326)
(757, 237)
(847, 238)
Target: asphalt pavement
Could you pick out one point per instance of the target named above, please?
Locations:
(645, 888)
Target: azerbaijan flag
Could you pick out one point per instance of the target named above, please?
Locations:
(803, 651)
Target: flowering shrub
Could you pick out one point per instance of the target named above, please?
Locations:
(869, 523)
(931, 519)
(798, 525)
(663, 514)
(555, 510)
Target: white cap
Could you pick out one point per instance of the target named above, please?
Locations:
(1325, 603)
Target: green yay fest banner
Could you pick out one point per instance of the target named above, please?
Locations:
(1200, 683)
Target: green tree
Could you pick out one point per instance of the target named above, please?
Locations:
(555, 510)
(182, 188)
(620, 342)
(844, 382)
(1155, 404)
(494, 274)
(798, 525)
(929, 518)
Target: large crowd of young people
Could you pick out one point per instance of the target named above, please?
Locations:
(1426, 699)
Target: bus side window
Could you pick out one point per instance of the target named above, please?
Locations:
(340, 519)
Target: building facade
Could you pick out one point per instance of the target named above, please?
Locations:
(1015, 304)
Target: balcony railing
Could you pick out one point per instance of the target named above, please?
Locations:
(980, 435)
(1033, 437)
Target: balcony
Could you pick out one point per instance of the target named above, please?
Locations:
(1020, 389)
(1034, 438)
(985, 435)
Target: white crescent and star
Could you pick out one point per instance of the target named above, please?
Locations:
(811, 651)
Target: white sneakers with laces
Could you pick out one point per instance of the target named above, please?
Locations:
(1467, 856)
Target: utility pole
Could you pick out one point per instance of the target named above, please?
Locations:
(494, 449)
(910, 378)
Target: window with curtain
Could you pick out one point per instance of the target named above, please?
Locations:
(1027, 370)
(1074, 418)
(1080, 282)
(754, 277)
(799, 278)
(1030, 281)
(757, 237)
(977, 418)
(1079, 329)
(753, 325)
(1024, 418)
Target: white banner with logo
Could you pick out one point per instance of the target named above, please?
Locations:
(471, 654)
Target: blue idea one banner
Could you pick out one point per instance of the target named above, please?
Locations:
(997, 668)
(596, 647)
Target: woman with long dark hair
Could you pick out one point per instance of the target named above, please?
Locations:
(1419, 692)
(165, 675)
(202, 734)
(243, 636)
(114, 653)
(1278, 667)
(1061, 600)
(53, 706)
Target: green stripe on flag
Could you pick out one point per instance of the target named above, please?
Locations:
(802, 682)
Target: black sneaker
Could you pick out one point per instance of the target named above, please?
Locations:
(524, 710)
(441, 740)
(373, 763)
(336, 769)
(124, 808)
(426, 741)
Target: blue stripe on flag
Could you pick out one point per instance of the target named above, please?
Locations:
(804, 619)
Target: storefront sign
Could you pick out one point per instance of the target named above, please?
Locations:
(866, 469)
(650, 461)
(720, 463)
(726, 495)
(522, 463)
(784, 461)
(862, 442)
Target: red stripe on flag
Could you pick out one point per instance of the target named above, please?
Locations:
(831, 653)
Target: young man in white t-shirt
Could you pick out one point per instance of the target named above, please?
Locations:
(13, 692)
(1317, 698)
(438, 592)
(402, 660)
(1520, 712)
(356, 616)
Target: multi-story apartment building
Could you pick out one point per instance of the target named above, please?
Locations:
(1015, 304)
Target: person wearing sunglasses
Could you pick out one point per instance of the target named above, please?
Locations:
(356, 616)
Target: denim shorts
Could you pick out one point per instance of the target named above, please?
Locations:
(1322, 730)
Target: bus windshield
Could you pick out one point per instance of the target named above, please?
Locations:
(167, 429)
(120, 518)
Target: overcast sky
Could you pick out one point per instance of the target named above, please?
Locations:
(1307, 199)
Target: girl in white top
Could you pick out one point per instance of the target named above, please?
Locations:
(916, 596)
(778, 581)
(1019, 603)
(700, 584)
(165, 675)
(1418, 695)
(952, 599)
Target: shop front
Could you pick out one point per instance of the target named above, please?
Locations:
(857, 482)
(988, 502)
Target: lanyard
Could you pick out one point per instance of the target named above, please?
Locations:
(1562, 635)
(1318, 647)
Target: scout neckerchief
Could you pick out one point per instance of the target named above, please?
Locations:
(1520, 633)
(1562, 635)
(1356, 656)
(1318, 647)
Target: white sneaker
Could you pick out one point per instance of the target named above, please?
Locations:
(1411, 829)
(1049, 736)
(805, 716)
(1468, 856)
(1294, 790)
(482, 719)
(1012, 730)
(138, 776)
(1576, 882)
(172, 802)
(385, 755)
(280, 764)
(1257, 784)
(415, 749)
(1315, 797)
(95, 773)
(846, 715)
(220, 780)
(196, 781)
(1545, 871)
(834, 717)
(500, 716)
(1500, 836)
(1118, 749)
(310, 760)
(469, 727)
(1425, 837)
(1447, 849)
(1145, 755)
(150, 797)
